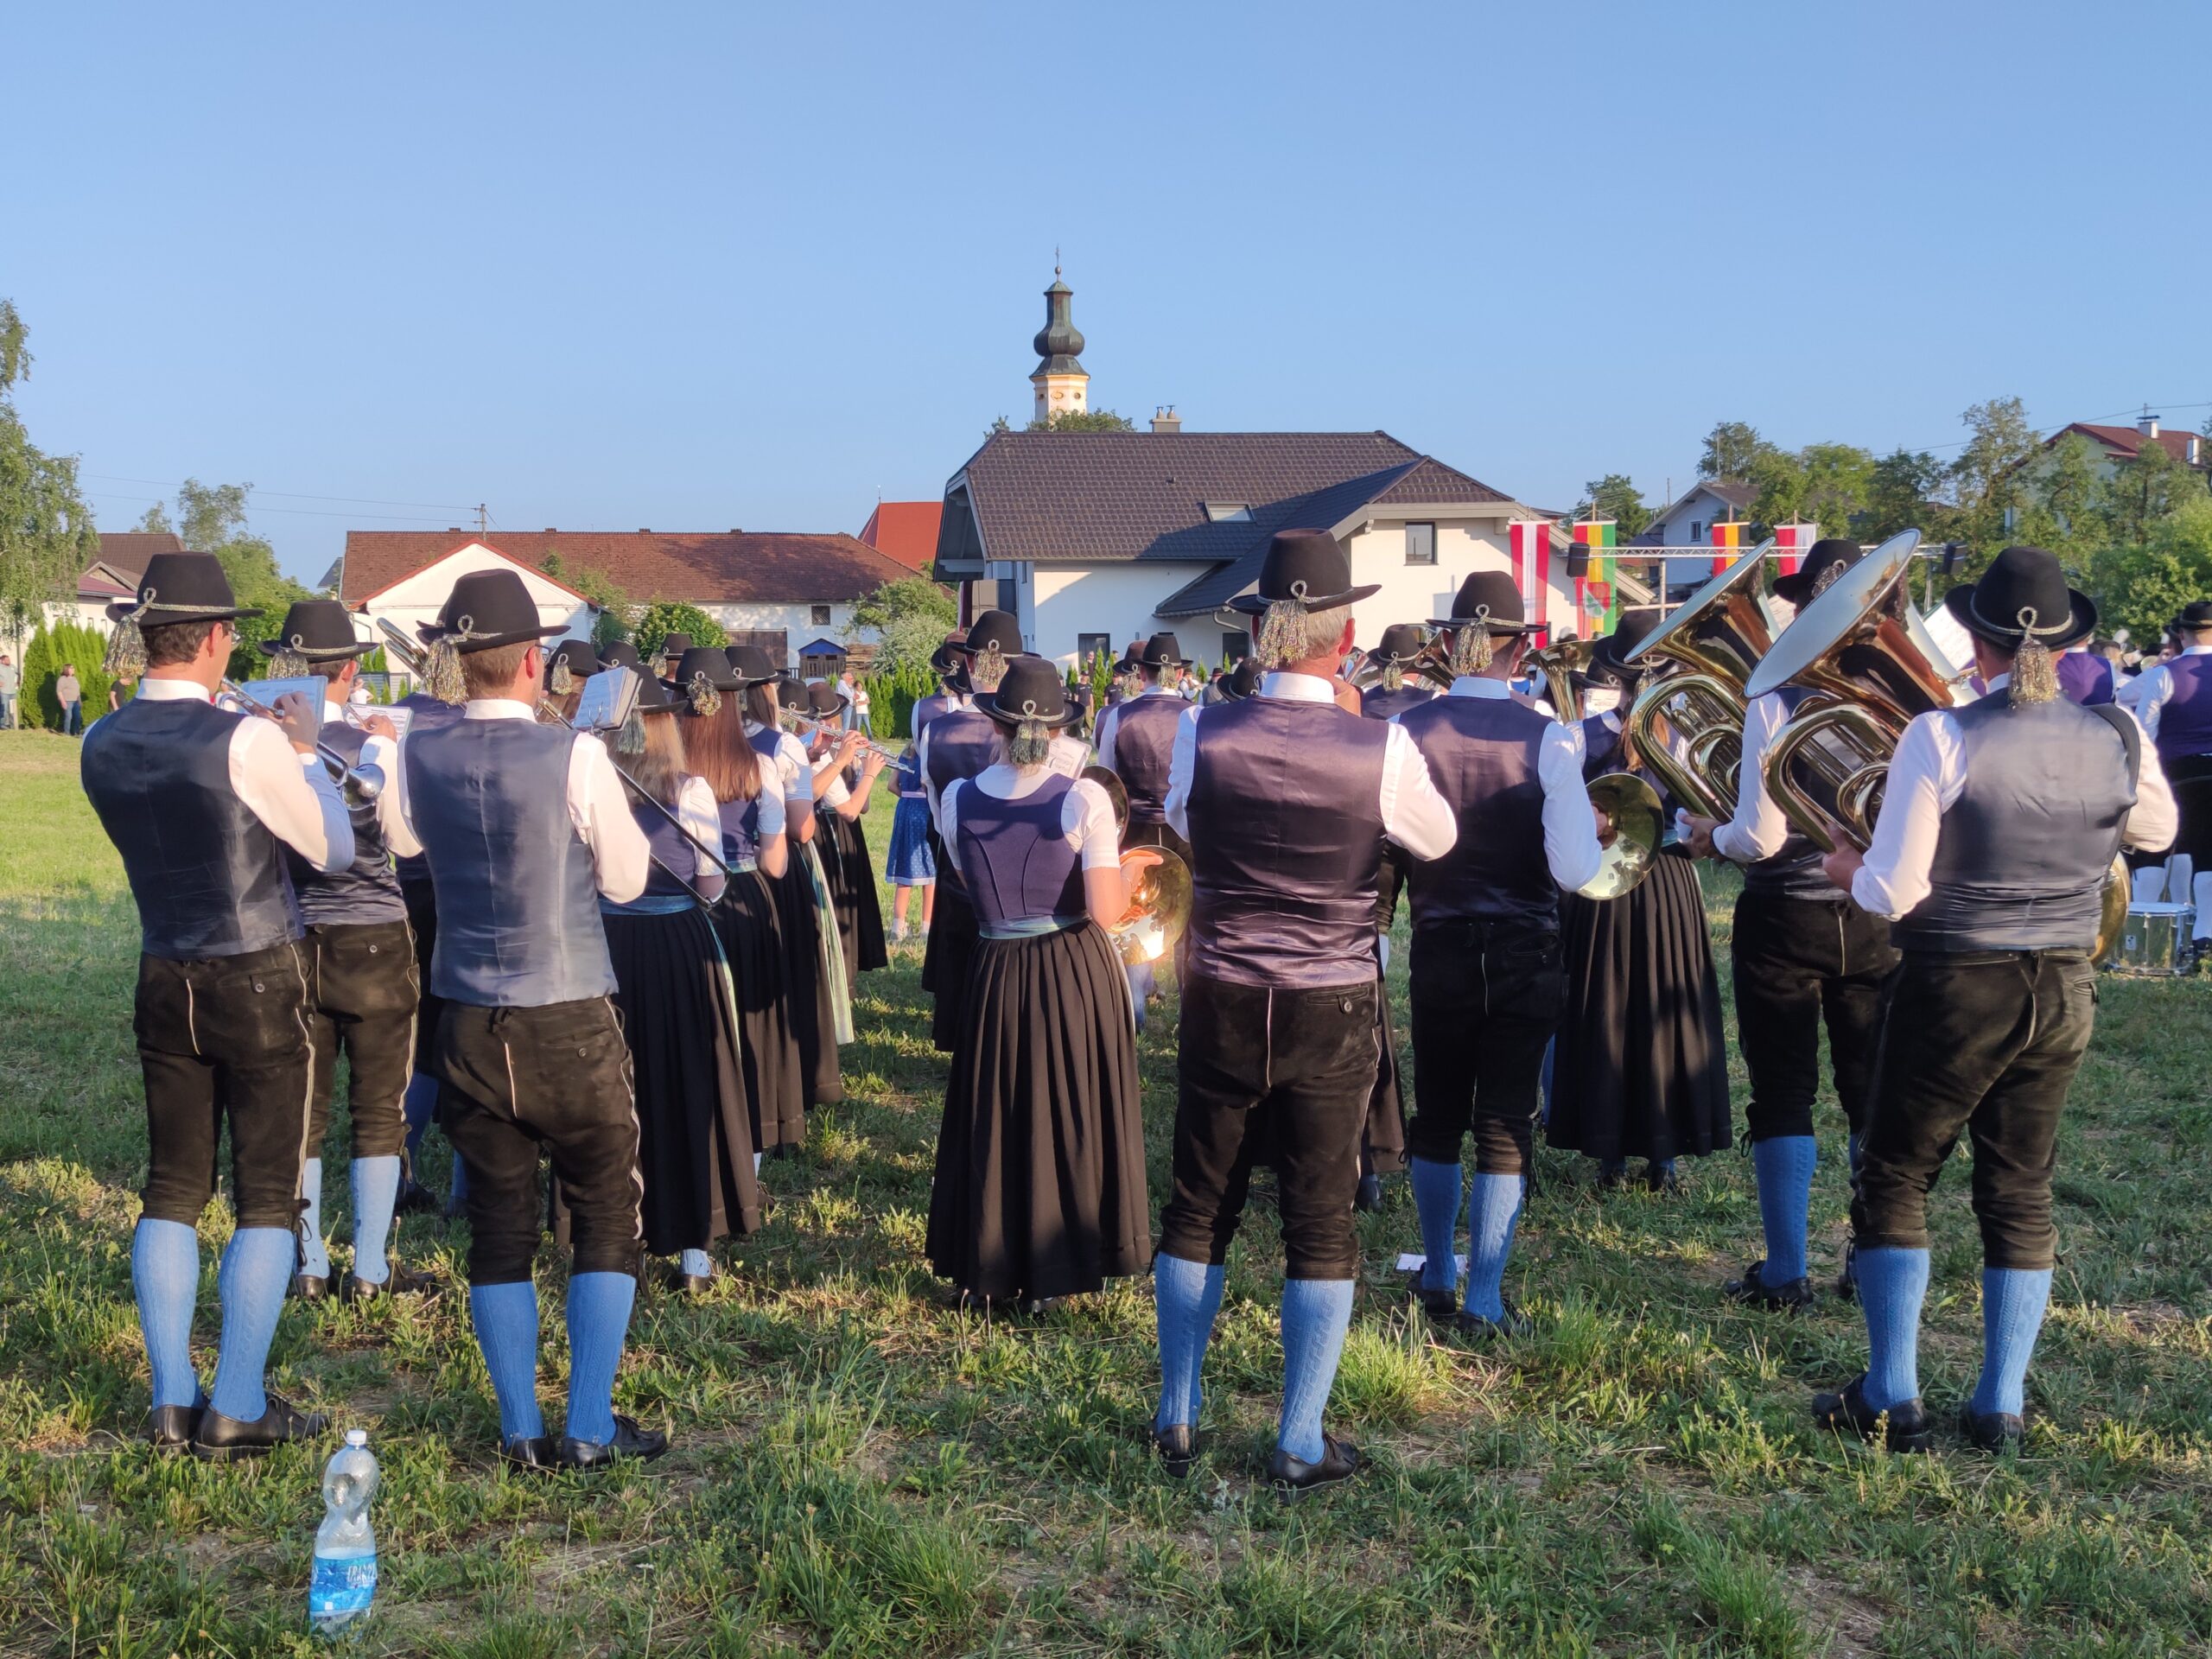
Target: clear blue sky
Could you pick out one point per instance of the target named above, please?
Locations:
(701, 266)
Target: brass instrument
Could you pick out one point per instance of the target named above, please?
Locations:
(1364, 672)
(1697, 664)
(890, 751)
(1117, 795)
(1639, 830)
(361, 783)
(1559, 664)
(1159, 907)
(1863, 650)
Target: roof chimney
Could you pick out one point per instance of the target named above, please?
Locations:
(1165, 419)
(2148, 426)
(2195, 450)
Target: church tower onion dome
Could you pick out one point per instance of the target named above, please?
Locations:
(1059, 342)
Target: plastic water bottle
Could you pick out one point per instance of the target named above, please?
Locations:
(345, 1578)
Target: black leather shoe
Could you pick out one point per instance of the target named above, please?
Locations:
(1474, 1328)
(1847, 1282)
(1785, 1298)
(170, 1428)
(1991, 1431)
(311, 1286)
(629, 1441)
(400, 1282)
(1906, 1425)
(1438, 1305)
(1295, 1477)
(1369, 1199)
(1613, 1178)
(1179, 1447)
(416, 1199)
(225, 1439)
(691, 1284)
(532, 1455)
(1662, 1180)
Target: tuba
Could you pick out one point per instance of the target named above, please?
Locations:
(1697, 664)
(1559, 664)
(1871, 665)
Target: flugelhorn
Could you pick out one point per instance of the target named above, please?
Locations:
(1697, 664)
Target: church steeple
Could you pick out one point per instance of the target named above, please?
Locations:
(1061, 383)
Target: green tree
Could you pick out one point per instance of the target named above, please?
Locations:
(1616, 498)
(2142, 586)
(2068, 489)
(1729, 449)
(911, 617)
(667, 616)
(1988, 477)
(1779, 485)
(2142, 490)
(1900, 492)
(51, 646)
(1069, 420)
(45, 530)
(1838, 480)
(616, 613)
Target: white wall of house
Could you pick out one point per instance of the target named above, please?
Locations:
(798, 622)
(1417, 593)
(1062, 602)
(419, 598)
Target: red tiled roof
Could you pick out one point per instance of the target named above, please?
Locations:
(736, 566)
(2126, 440)
(125, 552)
(904, 531)
(92, 585)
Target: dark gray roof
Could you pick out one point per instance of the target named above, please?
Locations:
(1733, 492)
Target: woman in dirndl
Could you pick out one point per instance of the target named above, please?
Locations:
(1040, 1166)
(816, 993)
(1640, 1066)
(910, 864)
(853, 764)
(673, 990)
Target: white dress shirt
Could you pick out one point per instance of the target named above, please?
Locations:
(1570, 846)
(2153, 689)
(381, 752)
(291, 793)
(1926, 776)
(599, 807)
(1759, 829)
(1109, 723)
(1414, 814)
(1086, 815)
(696, 810)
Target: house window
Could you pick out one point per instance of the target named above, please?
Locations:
(1089, 647)
(818, 616)
(1228, 512)
(1236, 647)
(1421, 544)
(1697, 531)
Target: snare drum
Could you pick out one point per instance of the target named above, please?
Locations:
(2151, 944)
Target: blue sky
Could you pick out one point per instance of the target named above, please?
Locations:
(694, 267)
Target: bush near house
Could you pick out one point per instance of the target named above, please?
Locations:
(669, 616)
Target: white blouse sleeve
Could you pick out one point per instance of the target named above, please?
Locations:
(1087, 819)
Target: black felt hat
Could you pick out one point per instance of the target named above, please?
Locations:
(491, 608)
(674, 645)
(708, 663)
(1828, 558)
(1243, 680)
(823, 701)
(944, 660)
(1033, 690)
(182, 587)
(1402, 643)
(1162, 651)
(317, 631)
(791, 694)
(656, 696)
(620, 654)
(1605, 657)
(569, 663)
(2197, 614)
(998, 628)
(1491, 599)
(750, 664)
(1308, 568)
(2023, 596)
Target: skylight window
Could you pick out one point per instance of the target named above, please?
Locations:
(1228, 512)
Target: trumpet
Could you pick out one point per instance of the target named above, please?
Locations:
(1701, 659)
(362, 783)
(814, 723)
(1559, 664)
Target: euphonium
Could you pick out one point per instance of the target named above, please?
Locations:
(1159, 908)
(1639, 830)
(1559, 664)
(1696, 664)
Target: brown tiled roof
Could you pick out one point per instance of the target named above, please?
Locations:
(125, 552)
(743, 566)
(904, 531)
(2126, 441)
(1118, 496)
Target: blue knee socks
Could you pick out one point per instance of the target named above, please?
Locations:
(165, 1276)
(505, 1316)
(256, 1268)
(376, 1191)
(1784, 1166)
(598, 1319)
(2012, 1303)
(1436, 1201)
(1315, 1314)
(1892, 1284)
(1186, 1295)
(314, 1256)
(1490, 1217)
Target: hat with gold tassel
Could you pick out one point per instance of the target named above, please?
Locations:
(1487, 606)
(2022, 605)
(1304, 571)
(487, 609)
(176, 588)
(316, 631)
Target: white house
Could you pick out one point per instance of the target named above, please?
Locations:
(1688, 520)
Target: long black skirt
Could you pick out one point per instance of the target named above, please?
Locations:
(1041, 1168)
(852, 892)
(694, 1135)
(947, 963)
(806, 1000)
(1641, 1066)
(753, 939)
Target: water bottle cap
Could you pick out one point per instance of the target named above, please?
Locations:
(357, 1437)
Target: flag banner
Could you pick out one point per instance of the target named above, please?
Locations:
(1532, 566)
(1731, 536)
(1791, 543)
(1596, 596)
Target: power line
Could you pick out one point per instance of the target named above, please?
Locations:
(305, 513)
(290, 495)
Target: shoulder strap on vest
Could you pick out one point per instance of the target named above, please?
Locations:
(2131, 736)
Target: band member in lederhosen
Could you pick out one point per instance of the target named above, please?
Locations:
(527, 827)
(202, 804)
(1804, 955)
(1486, 985)
(959, 744)
(852, 764)
(1040, 1189)
(1135, 738)
(807, 990)
(362, 987)
(1393, 694)
(1286, 799)
(1999, 825)
(673, 990)
(751, 807)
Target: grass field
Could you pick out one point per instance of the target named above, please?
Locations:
(861, 1469)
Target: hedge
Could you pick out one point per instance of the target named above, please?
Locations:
(50, 647)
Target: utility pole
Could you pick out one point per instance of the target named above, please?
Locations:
(483, 520)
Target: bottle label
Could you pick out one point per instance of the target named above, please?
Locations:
(341, 1586)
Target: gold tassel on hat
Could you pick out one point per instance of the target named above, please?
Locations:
(126, 650)
(442, 671)
(1030, 745)
(288, 665)
(1282, 633)
(562, 680)
(2035, 676)
(1470, 652)
(988, 669)
(705, 700)
(631, 739)
(1394, 675)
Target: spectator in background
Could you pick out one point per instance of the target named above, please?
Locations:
(11, 682)
(856, 696)
(70, 696)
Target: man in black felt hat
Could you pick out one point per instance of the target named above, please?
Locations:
(363, 991)
(1135, 738)
(1486, 984)
(203, 805)
(1999, 825)
(526, 826)
(1804, 954)
(1286, 800)
(1400, 647)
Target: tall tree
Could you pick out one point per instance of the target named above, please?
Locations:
(1988, 476)
(2141, 586)
(45, 530)
(2069, 488)
(1900, 495)
(1616, 498)
(2142, 490)
(911, 617)
(1729, 449)
(1779, 485)
(1839, 478)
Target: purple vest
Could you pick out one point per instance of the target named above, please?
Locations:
(1286, 819)
(2185, 718)
(1144, 741)
(1483, 752)
(672, 851)
(741, 825)
(1023, 878)
(926, 710)
(2085, 676)
(425, 713)
(1377, 704)
(962, 743)
(367, 890)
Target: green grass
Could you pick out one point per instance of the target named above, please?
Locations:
(860, 1469)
